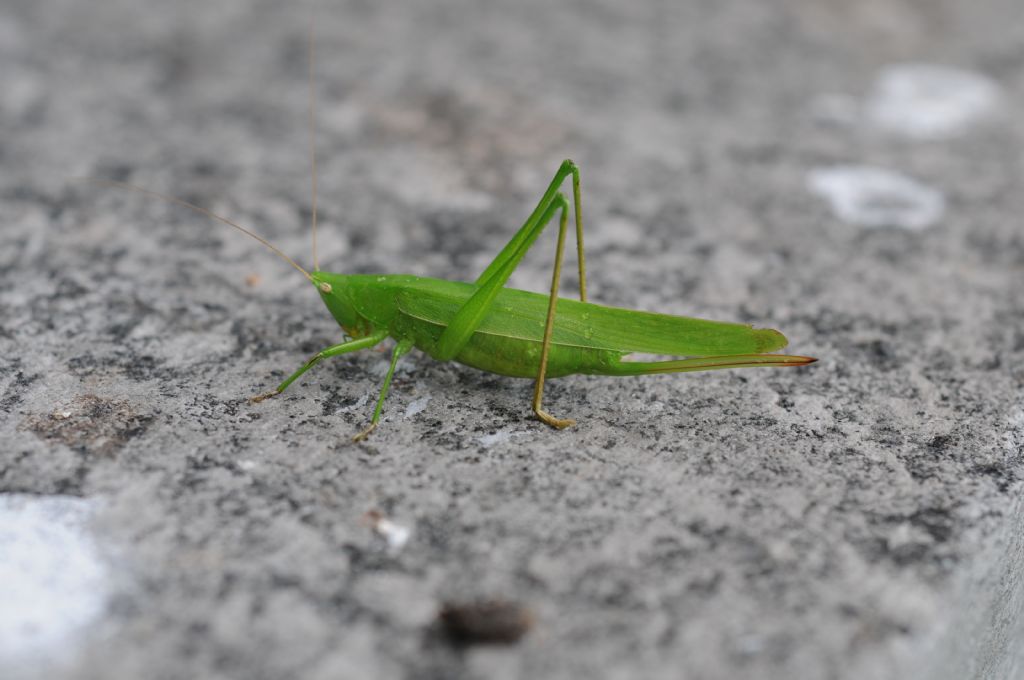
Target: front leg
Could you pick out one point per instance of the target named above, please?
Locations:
(333, 350)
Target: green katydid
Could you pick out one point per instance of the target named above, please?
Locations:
(518, 333)
(512, 332)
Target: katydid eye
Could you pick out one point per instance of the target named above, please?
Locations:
(325, 287)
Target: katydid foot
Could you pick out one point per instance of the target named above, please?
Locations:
(557, 423)
(365, 433)
(261, 397)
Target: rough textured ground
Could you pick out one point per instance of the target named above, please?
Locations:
(856, 519)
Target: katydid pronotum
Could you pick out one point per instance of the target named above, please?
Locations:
(513, 332)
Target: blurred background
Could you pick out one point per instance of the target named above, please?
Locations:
(849, 173)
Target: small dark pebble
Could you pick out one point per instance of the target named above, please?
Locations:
(486, 621)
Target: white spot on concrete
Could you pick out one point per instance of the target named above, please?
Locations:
(52, 580)
(927, 101)
(499, 437)
(877, 198)
(394, 534)
(417, 406)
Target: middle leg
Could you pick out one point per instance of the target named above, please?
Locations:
(401, 348)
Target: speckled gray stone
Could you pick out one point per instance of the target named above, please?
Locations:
(856, 519)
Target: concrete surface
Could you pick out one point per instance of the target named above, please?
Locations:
(856, 519)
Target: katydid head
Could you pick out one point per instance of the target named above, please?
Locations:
(336, 296)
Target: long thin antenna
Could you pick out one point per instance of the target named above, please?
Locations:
(312, 134)
(198, 209)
